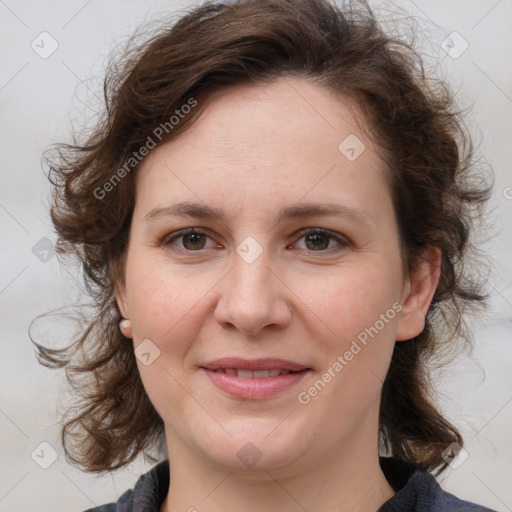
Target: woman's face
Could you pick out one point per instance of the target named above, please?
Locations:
(293, 254)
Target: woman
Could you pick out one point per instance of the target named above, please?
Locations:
(273, 218)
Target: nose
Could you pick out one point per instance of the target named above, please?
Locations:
(252, 298)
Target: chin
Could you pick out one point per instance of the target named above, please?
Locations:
(257, 446)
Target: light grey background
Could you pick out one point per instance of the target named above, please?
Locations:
(38, 99)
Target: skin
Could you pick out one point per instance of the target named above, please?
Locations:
(254, 150)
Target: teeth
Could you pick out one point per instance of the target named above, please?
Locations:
(261, 374)
(249, 374)
(245, 374)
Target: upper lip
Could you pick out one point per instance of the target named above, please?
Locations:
(254, 364)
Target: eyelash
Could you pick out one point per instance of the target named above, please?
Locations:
(342, 241)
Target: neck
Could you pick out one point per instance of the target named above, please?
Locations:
(346, 479)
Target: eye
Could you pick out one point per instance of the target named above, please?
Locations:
(195, 240)
(319, 240)
(190, 240)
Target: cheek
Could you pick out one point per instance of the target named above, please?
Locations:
(350, 299)
(357, 346)
(356, 306)
(166, 307)
(164, 304)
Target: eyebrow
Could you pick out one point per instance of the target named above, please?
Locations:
(198, 210)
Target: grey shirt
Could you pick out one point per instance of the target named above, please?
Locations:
(416, 491)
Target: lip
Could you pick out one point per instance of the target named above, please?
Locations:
(254, 389)
(268, 363)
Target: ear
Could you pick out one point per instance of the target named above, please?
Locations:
(418, 292)
(120, 291)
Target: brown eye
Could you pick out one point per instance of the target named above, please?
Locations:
(193, 241)
(189, 240)
(321, 240)
(317, 241)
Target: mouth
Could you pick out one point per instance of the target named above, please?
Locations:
(254, 379)
(257, 374)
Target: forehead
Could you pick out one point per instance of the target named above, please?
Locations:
(290, 137)
(263, 116)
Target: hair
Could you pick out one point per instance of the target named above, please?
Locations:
(437, 197)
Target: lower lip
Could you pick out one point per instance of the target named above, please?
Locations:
(254, 389)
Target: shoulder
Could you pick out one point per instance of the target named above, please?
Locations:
(450, 503)
(147, 495)
(123, 504)
(418, 491)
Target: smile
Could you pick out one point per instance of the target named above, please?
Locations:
(248, 374)
(254, 385)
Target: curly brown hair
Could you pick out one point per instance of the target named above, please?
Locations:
(437, 196)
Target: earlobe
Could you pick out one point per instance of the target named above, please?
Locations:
(125, 325)
(419, 291)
